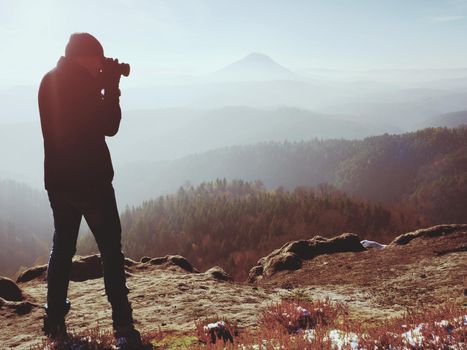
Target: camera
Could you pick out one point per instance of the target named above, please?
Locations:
(112, 65)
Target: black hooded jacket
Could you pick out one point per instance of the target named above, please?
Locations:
(75, 118)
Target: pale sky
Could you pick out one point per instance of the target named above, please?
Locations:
(192, 37)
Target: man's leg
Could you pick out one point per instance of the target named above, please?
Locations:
(104, 221)
(67, 220)
(101, 214)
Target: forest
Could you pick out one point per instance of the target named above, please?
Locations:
(26, 227)
(426, 169)
(378, 188)
(232, 224)
(275, 192)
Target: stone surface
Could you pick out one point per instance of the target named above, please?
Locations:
(434, 231)
(82, 269)
(9, 290)
(375, 284)
(291, 254)
(17, 307)
(218, 273)
(174, 260)
(32, 273)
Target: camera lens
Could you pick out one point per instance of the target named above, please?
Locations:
(125, 69)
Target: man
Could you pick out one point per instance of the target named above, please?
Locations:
(79, 106)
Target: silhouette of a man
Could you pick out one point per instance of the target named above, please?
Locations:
(79, 107)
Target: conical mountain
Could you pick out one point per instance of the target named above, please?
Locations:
(254, 67)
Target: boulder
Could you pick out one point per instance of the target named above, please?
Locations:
(219, 273)
(90, 267)
(255, 273)
(173, 260)
(281, 262)
(9, 290)
(130, 262)
(18, 307)
(83, 268)
(159, 260)
(434, 231)
(291, 254)
(86, 268)
(145, 259)
(32, 273)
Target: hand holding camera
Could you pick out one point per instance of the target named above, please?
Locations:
(111, 72)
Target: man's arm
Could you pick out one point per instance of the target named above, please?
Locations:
(110, 100)
(110, 112)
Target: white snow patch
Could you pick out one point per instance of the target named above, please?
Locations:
(372, 244)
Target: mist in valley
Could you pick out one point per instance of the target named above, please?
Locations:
(254, 117)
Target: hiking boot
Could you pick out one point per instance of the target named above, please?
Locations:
(54, 328)
(128, 338)
(54, 322)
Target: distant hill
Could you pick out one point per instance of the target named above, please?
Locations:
(166, 134)
(26, 226)
(400, 98)
(171, 133)
(427, 168)
(254, 67)
(406, 108)
(450, 120)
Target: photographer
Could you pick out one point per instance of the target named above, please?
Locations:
(79, 106)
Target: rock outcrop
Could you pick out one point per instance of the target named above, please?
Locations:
(86, 268)
(434, 231)
(32, 273)
(173, 260)
(83, 268)
(145, 259)
(9, 290)
(291, 254)
(376, 284)
(219, 273)
(18, 307)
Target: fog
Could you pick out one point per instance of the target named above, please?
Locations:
(254, 99)
(230, 90)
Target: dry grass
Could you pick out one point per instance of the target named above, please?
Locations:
(443, 327)
(303, 324)
(93, 339)
(326, 325)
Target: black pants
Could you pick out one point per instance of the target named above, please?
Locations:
(99, 208)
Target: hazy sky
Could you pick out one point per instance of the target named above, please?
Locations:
(190, 37)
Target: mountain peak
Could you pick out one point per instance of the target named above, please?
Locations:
(255, 66)
(258, 57)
